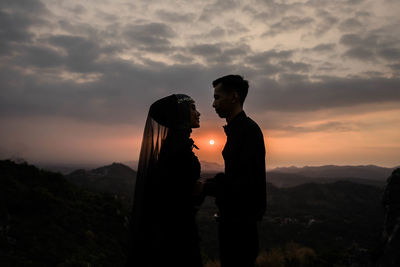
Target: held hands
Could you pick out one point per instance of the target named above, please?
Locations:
(208, 187)
(211, 186)
(198, 188)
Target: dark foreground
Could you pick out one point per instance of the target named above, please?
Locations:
(46, 219)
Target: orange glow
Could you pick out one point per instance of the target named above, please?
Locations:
(370, 138)
(209, 151)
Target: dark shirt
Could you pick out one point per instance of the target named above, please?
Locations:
(241, 192)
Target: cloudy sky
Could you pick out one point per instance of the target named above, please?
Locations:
(77, 77)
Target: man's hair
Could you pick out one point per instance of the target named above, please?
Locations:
(233, 83)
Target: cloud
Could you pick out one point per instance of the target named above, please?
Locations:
(339, 4)
(39, 56)
(152, 37)
(81, 74)
(270, 55)
(175, 17)
(295, 66)
(288, 24)
(220, 53)
(206, 49)
(323, 48)
(81, 53)
(121, 94)
(213, 10)
(371, 46)
(24, 6)
(395, 67)
(16, 17)
(390, 53)
(331, 126)
(301, 95)
(360, 53)
(325, 22)
(216, 32)
(350, 24)
(271, 62)
(182, 59)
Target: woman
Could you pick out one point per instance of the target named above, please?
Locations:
(163, 227)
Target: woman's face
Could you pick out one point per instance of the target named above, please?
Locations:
(194, 116)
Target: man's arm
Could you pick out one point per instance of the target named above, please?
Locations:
(253, 176)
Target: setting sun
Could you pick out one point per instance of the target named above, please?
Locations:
(212, 142)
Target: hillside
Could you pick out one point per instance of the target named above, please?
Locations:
(47, 221)
(116, 179)
(338, 221)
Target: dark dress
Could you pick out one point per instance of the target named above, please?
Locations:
(169, 232)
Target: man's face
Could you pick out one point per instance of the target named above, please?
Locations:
(223, 102)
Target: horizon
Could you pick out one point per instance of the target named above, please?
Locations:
(67, 167)
(77, 78)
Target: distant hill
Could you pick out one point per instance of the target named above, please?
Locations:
(45, 220)
(116, 179)
(370, 172)
(211, 167)
(281, 179)
(293, 176)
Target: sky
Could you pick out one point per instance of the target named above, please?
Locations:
(77, 77)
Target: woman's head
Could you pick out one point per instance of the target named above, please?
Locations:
(175, 112)
(194, 116)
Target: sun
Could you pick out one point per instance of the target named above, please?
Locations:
(212, 142)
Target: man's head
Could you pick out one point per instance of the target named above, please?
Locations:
(229, 94)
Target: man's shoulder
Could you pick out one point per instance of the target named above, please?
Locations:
(251, 125)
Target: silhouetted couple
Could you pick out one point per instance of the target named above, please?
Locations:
(163, 230)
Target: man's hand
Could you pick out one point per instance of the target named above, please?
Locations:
(198, 188)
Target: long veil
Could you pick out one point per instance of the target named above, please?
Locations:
(165, 114)
(153, 136)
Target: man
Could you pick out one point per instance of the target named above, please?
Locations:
(240, 192)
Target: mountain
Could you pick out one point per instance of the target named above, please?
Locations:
(281, 179)
(47, 221)
(64, 168)
(293, 176)
(211, 167)
(370, 172)
(116, 179)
